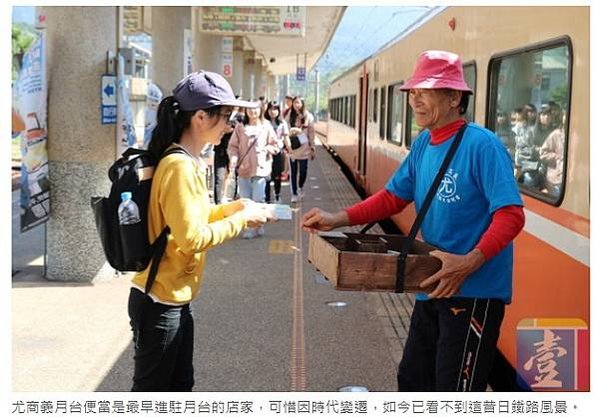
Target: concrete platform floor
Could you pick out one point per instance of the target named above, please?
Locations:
(262, 319)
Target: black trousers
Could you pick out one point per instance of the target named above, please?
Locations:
(221, 170)
(163, 338)
(451, 344)
(302, 166)
(220, 176)
(278, 165)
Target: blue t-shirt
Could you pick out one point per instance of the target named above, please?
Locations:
(478, 181)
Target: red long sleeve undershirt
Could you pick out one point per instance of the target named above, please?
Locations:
(505, 225)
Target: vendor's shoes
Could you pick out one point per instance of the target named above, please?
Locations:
(294, 198)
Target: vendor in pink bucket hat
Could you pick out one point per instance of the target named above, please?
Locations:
(438, 94)
(474, 215)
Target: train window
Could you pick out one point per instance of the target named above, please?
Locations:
(370, 96)
(395, 114)
(382, 113)
(375, 105)
(346, 110)
(353, 111)
(334, 109)
(470, 78)
(333, 112)
(348, 121)
(528, 109)
(412, 130)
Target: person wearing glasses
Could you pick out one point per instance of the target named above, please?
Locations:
(195, 115)
(221, 160)
(251, 148)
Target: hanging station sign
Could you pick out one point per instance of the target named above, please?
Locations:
(226, 56)
(240, 21)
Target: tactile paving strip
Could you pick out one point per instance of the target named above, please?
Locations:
(393, 310)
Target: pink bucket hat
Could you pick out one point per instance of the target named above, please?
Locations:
(438, 69)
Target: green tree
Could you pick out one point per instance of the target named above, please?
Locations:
(22, 38)
(560, 95)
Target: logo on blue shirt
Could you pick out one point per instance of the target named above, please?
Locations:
(448, 189)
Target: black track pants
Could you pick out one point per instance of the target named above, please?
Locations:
(451, 344)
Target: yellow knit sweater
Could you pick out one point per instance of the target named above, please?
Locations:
(179, 198)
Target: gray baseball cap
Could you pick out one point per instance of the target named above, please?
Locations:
(204, 89)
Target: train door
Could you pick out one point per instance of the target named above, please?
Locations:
(362, 126)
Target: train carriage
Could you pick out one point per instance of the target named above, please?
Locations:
(526, 65)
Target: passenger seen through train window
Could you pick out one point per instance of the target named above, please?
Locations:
(527, 153)
(552, 156)
(521, 83)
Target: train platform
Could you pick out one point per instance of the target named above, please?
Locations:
(263, 319)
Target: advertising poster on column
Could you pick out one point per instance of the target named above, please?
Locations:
(125, 135)
(31, 102)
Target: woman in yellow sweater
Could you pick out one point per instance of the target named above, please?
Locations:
(194, 116)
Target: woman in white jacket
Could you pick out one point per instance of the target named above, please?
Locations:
(250, 149)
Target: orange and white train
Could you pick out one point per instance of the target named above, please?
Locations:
(523, 63)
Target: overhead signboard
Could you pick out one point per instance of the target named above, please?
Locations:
(240, 21)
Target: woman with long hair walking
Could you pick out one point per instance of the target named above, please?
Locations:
(300, 145)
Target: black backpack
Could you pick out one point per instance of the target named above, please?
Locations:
(127, 247)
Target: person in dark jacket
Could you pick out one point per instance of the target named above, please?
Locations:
(221, 158)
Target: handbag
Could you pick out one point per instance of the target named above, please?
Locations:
(245, 154)
(295, 142)
(298, 140)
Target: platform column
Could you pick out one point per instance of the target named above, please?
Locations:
(236, 80)
(248, 75)
(168, 36)
(259, 89)
(80, 148)
(273, 87)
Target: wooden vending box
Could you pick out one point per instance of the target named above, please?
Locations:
(364, 262)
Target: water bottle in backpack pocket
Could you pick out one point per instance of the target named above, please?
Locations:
(131, 229)
(122, 217)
